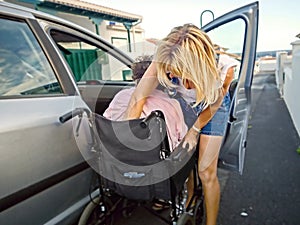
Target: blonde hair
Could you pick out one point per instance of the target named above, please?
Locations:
(188, 53)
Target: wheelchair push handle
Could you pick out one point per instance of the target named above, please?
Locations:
(145, 122)
(76, 112)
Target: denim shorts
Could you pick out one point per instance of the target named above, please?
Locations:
(216, 126)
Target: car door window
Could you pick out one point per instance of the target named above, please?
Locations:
(24, 68)
(229, 41)
(236, 35)
(99, 69)
(87, 61)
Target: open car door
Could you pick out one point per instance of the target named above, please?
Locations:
(236, 34)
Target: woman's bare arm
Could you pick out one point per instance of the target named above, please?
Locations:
(144, 88)
(210, 111)
(191, 138)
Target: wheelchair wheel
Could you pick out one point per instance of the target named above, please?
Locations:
(127, 208)
(93, 213)
(198, 212)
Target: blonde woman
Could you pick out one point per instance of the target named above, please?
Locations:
(188, 53)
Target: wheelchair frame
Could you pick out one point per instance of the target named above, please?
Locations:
(111, 202)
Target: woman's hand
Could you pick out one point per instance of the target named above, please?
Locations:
(190, 140)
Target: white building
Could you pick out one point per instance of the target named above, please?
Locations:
(122, 29)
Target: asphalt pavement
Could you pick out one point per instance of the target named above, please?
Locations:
(268, 192)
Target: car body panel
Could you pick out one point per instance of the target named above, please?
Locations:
(41, 161)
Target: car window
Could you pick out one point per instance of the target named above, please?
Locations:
(24, 68)
(229, 41)
(87, 61)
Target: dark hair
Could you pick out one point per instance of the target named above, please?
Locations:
(140, 66)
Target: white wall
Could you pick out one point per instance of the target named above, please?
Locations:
(291, 86)
(80, 20)
(118, 36)
(138, 44)
(267, 65)
(279, 73)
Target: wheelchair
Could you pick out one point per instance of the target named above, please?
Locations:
(136, 168)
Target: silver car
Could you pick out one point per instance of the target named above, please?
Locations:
(44, 176)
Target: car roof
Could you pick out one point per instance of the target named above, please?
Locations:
(34, 14)
(38, 14)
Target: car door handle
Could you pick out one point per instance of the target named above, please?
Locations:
(232, 119)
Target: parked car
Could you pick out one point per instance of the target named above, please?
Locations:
(50, 66)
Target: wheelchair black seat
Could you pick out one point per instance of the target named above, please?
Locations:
(135, 160)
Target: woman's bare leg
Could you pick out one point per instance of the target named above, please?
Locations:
(207, 168)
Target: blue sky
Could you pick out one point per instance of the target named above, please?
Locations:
(279, 20)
